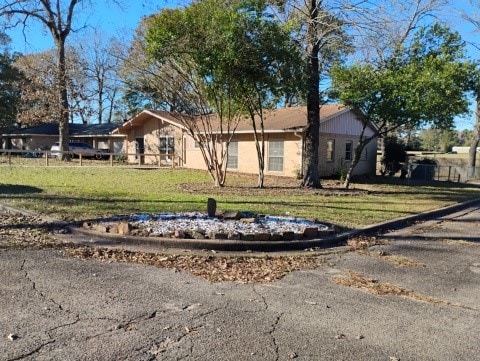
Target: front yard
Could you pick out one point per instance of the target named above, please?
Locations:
(77, 193)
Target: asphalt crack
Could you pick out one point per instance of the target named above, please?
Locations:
(33, 352)
(131, 324)
(274, 324)
(34, 286)
(65, 324)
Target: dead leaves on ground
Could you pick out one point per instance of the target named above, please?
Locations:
(375, 287)
(211, 268)
(18, 230)
(360, 245)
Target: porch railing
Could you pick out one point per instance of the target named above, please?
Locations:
(11, 157)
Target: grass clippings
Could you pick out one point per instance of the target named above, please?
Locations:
(211, 268)
(357, 280)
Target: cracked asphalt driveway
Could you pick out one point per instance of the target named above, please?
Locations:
(411, 296)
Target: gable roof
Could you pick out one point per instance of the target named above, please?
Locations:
(75, 130)
(277, 120)
(145, 115)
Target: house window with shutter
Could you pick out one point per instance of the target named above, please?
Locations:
(232, 161)
(348, 150)
(275, 156)
(330, 150)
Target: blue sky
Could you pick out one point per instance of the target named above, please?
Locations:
(121, 23)
(105, 15)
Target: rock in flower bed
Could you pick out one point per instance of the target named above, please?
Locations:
(196, 225)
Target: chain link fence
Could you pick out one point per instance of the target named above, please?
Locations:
(430, 172)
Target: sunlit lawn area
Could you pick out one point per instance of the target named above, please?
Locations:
(76, 193)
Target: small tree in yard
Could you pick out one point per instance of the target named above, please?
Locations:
(424, 83)
(226, 58)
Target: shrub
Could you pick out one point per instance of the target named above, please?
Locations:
(394, 154)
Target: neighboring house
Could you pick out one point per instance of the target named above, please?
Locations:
(41, 137)
(161, 138)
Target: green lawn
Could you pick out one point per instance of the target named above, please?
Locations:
(76, 193)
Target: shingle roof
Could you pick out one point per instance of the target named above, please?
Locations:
(291, 118)
(281, 119)
(50, 129)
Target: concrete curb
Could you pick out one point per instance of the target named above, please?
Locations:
(92, 238)
(102, 239)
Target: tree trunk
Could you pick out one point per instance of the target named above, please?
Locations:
(260, 146)
(311, 178)
(356, 159)
(63, 101)
(472, 159)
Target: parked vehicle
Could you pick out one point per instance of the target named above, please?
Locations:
(77, 149)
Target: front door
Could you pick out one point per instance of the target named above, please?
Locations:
(140, 150)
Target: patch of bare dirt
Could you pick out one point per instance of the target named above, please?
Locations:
(273, 187)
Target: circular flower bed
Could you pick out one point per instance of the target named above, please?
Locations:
(196, 225)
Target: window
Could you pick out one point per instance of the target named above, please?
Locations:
(348, 150)
(330, 150)
(232, 161)
(275, 156)
(167, 148)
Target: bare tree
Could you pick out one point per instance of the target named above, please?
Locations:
(39, 90)
(101, 67)
(39, 100)
(57, 17)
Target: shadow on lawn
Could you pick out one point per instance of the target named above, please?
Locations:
(18, 189)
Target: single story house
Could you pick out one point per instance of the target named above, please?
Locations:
(42, 136)
(161, 137)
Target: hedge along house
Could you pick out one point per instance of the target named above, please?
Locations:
(159, 137)
(42, 136)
